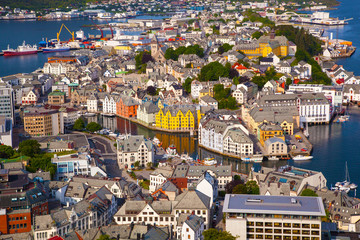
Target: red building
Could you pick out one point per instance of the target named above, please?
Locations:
(127, 107)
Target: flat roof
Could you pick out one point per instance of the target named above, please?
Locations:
(287, 205)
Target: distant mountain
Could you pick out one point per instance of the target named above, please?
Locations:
(42, 4)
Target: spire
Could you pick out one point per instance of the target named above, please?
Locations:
(154, 40)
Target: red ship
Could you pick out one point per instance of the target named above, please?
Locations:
(23, 49)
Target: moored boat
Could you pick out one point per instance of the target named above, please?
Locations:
(302, 158)
(345, 185)
(254, 158)
(209, 161)
(273, 158)
(24, 49)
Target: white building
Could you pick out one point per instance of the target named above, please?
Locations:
(146, 112)
(55, 68)
(221, 173)
(275, 146)
(212, 133)
(351, 93)
(76, 164)
(29, 98)
(240, 95)
(208, 185)
(196, 87)
(109, 104)
(92, 104)
(158, 177)
(6, 131)
(313, 107)
(273, 217)
(165, 213)
(134, 149)
(192, 228)
(237, 142)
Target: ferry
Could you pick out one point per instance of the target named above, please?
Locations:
(302, 158)
(24, 49)
(57, 48)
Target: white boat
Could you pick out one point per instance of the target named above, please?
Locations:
(87, 114)
(302, 158)
(345, 185)
(306, 130)
(171, 151)
(108, 114)
(254, 158)
(273, 158)
(186, 157)
(209, 161)
(156, 141)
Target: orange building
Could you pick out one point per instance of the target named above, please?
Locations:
(126, 107)
(19, 221)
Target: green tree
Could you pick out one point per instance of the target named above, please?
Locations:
(104, 237)
(212, 72)
(93, 127)
(142, 58)
(237, 177)
(288, 81)
(214, 234)
(256, 35)
(136, 164)
(252, 187)
(259, 80)
(29, 147)
(308, 193)
(6, 151)
(193, 49)
(79, 124)
(187, 85)
(240, 189)
(149, 165)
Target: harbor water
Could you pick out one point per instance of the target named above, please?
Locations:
(333, 144)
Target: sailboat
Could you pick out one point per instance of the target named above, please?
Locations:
(345, 185)
(306, 130)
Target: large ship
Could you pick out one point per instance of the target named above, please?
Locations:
(321, 18)
(23, 49)
(57, 48)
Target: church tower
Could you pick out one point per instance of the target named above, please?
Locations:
(154, 46)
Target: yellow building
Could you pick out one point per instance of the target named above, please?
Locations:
(206, 91)
(43, 122)
(286, 117)
(268, 130)
(279, 45)
(177, 118)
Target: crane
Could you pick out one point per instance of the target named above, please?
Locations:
(58, 34)
(112, 32)
(102, 34)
